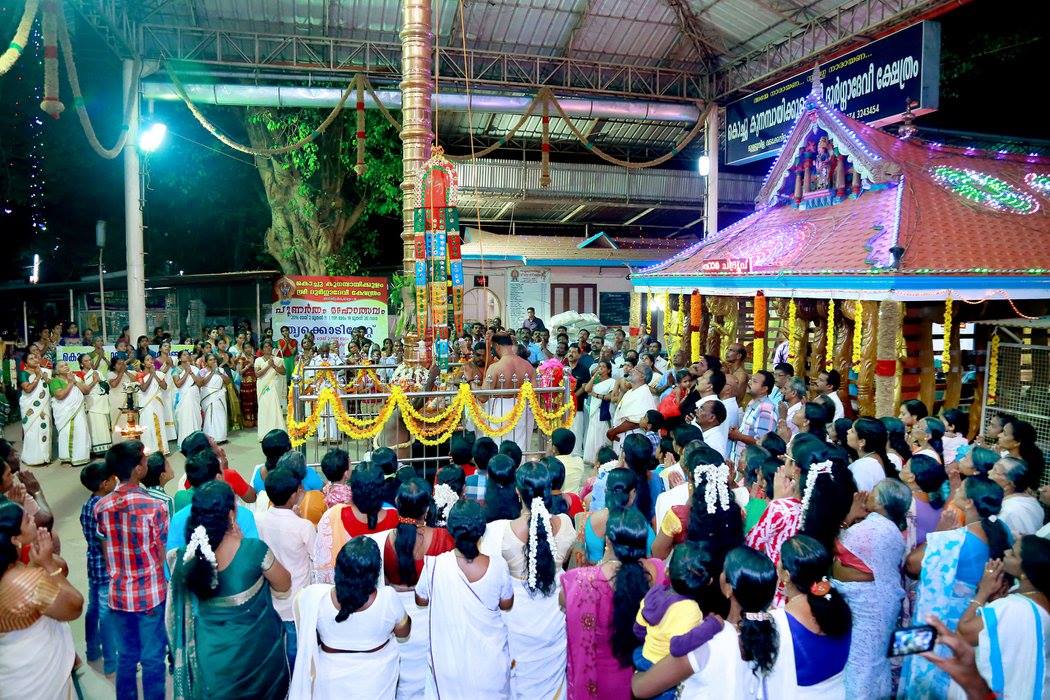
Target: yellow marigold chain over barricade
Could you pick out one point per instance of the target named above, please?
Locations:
(428, 430)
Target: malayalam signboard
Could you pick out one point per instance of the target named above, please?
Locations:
(72, 353)
(870, 84)
(331, 307)
(527, 286)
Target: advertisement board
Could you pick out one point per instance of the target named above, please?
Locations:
(331, 307)
(869, 84)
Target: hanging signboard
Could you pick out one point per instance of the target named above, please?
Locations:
(331, 308)
(870, 84)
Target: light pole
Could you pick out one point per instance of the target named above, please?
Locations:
(136, 266)
(100, 241)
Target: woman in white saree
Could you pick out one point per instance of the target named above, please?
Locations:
(100, 424)
(119, 380)
(346, 632)
(168, 393)
(213, 400)
(467, 591)
(188, 406)
(268, 373)
(34, 403)
(152, 385)
(599, 411)
(71, 421)
(536, 624)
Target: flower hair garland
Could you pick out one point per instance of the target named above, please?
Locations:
(199, 540)
(444, 499)
(537, 510)
(717, 474)
(811, 481)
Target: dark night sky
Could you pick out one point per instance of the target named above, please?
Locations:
(206, 211)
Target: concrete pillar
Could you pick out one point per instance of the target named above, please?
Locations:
(136, 264)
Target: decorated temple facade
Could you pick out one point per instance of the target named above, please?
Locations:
(860, 243)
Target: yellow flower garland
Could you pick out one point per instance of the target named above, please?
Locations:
(858, 328)
(946, 351)
(993, 370)
(649, 313)
(428, 430)
(792, 342)
(829, 354)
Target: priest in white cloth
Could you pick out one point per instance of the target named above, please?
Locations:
(269, 372)
(152, 385)
(320, 376)
(632, 407)
(97, 403)
(213, 400)
(509, 373)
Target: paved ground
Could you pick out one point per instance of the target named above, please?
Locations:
(66, 495)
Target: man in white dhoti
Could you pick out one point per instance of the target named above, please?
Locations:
(633, 405)
(269, 374)
(321, 377)
(100, 422)
(509, 372)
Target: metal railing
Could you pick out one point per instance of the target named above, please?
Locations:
(426, 458)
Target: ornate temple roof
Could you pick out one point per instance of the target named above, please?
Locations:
(975, 221)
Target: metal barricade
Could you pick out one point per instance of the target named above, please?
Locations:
(426, 458)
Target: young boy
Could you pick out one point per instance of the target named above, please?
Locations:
(291, 539)
(563, 441)
(484, 450)
(158, 473)
(652, 422)
(99, 630)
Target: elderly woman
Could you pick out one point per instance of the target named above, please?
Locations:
(1021, 511)
(867, 572)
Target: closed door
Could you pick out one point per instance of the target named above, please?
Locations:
(581, 298)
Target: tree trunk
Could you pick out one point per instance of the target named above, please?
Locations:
(308, 220)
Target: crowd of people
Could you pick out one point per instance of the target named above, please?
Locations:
(73, 409)
(698, 533)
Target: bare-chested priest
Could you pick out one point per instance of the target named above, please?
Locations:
(509, 372)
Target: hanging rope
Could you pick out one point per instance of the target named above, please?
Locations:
(541, 97)
(18, 44)
(382, 109)
(49, 24)
(675, 150)
(262, 152)
(78, 98)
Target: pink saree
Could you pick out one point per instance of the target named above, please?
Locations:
(592, 670)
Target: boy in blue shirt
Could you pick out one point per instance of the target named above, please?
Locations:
(99, 631)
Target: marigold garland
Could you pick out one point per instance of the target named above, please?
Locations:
(635, 317)
(792, 341)
(829, 354)
(946, 351)
(428, 430)
(649, 313)
(993, 370)
(858, 327)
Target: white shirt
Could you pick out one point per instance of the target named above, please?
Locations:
(732, 421)
(840, 412)
(716, 440)
(291, 539)
(792, 410)
(678, 496)
(867, 471)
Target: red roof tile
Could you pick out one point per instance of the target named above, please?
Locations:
(938, 229)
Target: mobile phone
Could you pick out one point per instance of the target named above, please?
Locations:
(912, 640)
